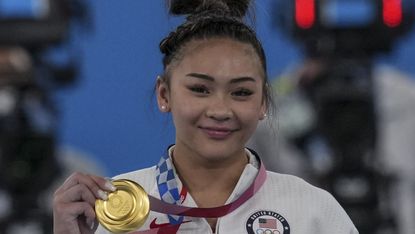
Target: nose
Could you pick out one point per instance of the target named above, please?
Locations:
(219, 110)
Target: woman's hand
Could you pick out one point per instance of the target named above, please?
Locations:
(74, 202)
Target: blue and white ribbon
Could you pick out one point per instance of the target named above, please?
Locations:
(167, 186)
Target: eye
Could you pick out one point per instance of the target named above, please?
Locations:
(242, 93)
(200, 89)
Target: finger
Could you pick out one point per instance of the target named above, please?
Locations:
(95, 183)
(105, 183)
(87, 224)
(79, 192)
(71, 213)
(78, 178)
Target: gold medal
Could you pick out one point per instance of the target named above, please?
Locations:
(126, 209)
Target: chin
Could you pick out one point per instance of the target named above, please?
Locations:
(219, 152)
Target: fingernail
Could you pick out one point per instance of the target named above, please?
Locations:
(110, 186)
(90, 222)
(108, 178)
(102, 195)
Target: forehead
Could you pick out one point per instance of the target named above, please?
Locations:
(217, 43)
(219, 57)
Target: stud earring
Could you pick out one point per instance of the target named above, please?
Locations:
(265, 115)
(163, 107)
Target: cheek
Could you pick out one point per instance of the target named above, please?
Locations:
(249, 114)
(185, 109)
(251, 120)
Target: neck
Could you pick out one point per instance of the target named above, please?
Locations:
(210, 182)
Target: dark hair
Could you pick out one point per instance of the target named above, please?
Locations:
(210, 19)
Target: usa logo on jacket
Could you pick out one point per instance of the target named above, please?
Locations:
(267, 222)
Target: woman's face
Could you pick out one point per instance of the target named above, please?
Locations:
(215, 97)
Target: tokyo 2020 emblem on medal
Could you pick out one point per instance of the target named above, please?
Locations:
(267, 222)
(126, 209)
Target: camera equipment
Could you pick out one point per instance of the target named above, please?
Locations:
(30, 32)
(344, 36)
(37, 23)
(345, 27)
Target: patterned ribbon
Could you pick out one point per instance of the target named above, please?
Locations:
(176, 211)
(167, 186)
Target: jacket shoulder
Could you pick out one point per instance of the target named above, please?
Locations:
(145, 177)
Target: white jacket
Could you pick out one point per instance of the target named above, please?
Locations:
(285, 204)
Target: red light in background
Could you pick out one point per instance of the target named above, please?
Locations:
(305, 13)
(392, 12)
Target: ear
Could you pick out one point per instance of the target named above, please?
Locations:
(163, 95)
(263, 111)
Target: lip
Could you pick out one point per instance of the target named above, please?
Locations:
(218, 133)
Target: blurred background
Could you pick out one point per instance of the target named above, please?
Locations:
(76, 94)
(109, 111)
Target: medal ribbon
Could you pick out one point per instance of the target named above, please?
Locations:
(214, 212)
(167, 186)
(161, 206)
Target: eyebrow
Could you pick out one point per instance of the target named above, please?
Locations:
(210, 78)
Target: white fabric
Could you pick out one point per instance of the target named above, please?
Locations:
(305, 208)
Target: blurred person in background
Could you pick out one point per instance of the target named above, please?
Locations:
(291, 144)
(32, 163)
(344, 123)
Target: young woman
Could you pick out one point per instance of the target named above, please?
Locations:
(215, 87)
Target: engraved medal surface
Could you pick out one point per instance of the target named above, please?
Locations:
(126, 209)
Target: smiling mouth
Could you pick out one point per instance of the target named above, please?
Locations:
(217, 133)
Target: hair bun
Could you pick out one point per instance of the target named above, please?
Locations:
(237, 8)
